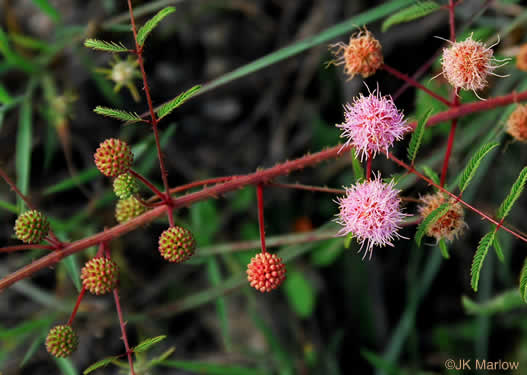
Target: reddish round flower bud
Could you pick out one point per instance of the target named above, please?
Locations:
(176, 244)
(31, 227)
(362, 55)
(100, 275)
(125, 185)
(266, 272)
(127, 209)
(113, 157)
(517, 123)
(61, 341)
(450, 225)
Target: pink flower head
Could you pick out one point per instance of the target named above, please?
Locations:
(466, 64)
(372, 124)
(371, 212)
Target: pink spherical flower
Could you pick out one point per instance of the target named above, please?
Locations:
(466, 64)
(371, 212)
(372, 124)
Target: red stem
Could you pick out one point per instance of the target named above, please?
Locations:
(196, 184)
(122, 323)
(10, 249)
(450, 144)
(414, 83)
(259, 193)
(480, 213)
(77, 304)
(145, 181)
(139, 52)
(308, 188)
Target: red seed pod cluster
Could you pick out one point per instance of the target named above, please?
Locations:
(266, 272)
(362, 55)
(113, 157)
(61, 341)
(450, 225)
(176, 244)
(31, 227)
(100, 275)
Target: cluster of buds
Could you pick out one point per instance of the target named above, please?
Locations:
(61, 341)
(31, 227)
(100, 275)
(113, 157)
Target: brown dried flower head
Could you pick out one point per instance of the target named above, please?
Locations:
(516, 124)
(450, 225)
(521, 58)
(362, 55)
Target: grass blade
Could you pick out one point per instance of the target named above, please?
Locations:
(49, 9)
(23, 148)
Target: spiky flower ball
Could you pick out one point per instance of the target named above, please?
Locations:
(61, 341)
(467, 64)
(125, 185)
(448, 226)
(372, 123)
(100, 275)
(176, 244)
(128, 208)
(266, 272)
(113, 157)
(362, 55)
(31, 227)
(517, 123)
(371, 211)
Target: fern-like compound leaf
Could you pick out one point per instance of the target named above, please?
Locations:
(473, 165)
(497, 247)
(417, 136)
(146, 344)
(150, 25)
(105, 46)
(514, 194)
(118, 114)
(431, 174)
(168, 107)
(523, 281)
(411, 13)
(429, 221)
(479, 257)
(100, 364)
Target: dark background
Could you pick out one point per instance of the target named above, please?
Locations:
(347, 306)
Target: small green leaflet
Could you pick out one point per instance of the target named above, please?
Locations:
(411, 13)
(347, 241)
(479, 257)
(102, 45)
(523, 281)
(146, 344)
(152, 23)
(49, 9)
(514, 194)
(444, 249)
(102, 363)
(430, 220)
(431, 174)
(417, 136)
(473, 165)
(499, 251)
(168, 107)
(118, 114)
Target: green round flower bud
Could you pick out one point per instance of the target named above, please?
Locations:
(61, 341)
(127, 209)
(100, 275)
(176, 244)
(125, 185)
(31, 227)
